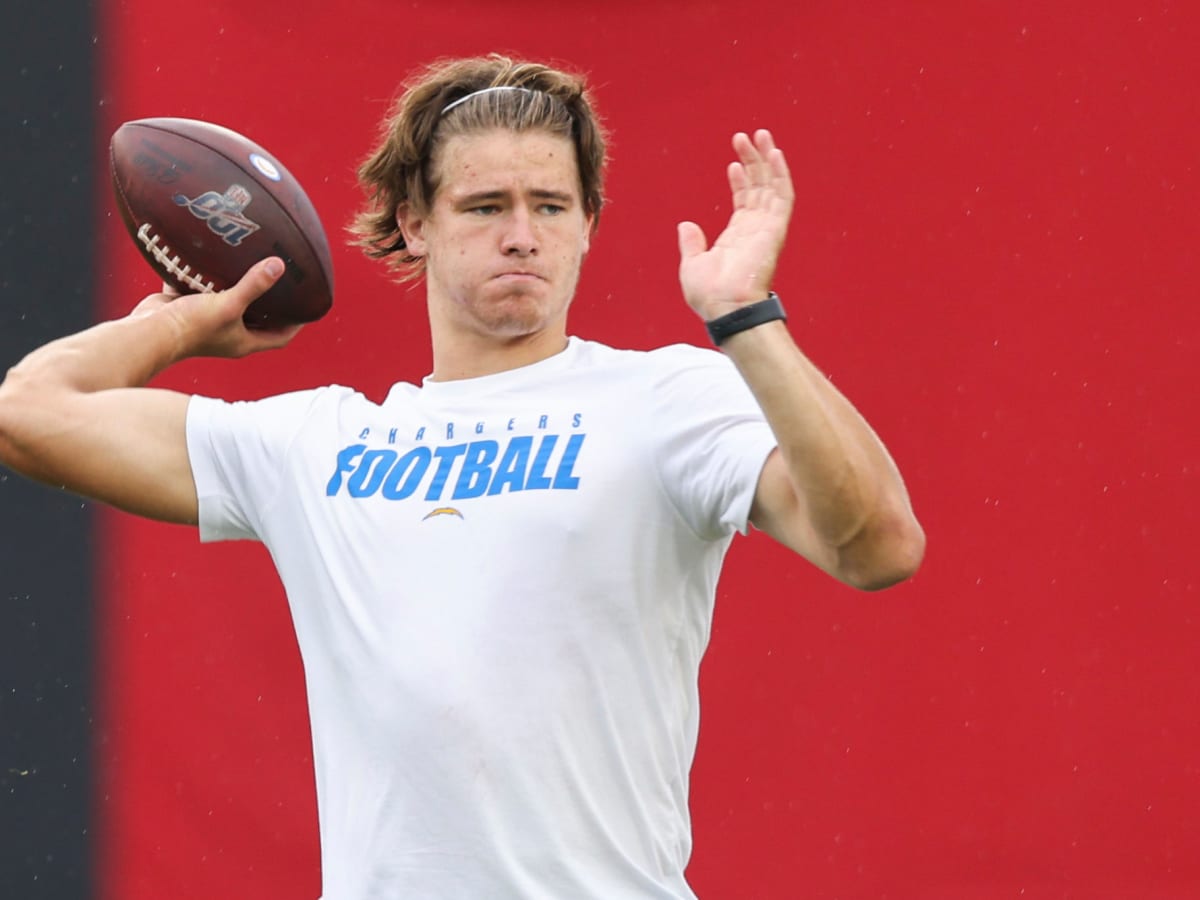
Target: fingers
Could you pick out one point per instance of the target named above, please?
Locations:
(755, 152)
(691, 240)
(760, 167)
(776, 163)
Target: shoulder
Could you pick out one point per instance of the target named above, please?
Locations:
(291, 409)
(670, 359)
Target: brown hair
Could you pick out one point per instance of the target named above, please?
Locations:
(401, 169)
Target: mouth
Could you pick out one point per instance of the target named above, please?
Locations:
(518, 276)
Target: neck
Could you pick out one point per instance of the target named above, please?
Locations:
(473, 356)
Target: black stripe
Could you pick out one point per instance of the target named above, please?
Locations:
(46, 290)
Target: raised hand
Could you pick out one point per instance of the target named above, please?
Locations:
(737, 269)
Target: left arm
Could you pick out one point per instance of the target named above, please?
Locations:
(830, 491)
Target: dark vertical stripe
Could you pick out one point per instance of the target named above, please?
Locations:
(46, 277)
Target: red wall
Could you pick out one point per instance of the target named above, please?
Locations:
(994, 255)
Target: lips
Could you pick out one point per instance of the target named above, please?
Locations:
(519, 275)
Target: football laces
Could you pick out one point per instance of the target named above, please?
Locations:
(173, 263)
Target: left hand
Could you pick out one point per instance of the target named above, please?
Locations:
(739, 266)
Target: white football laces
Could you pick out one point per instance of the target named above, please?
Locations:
(172, 263)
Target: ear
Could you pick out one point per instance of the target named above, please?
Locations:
(412, 227)
(589, 223)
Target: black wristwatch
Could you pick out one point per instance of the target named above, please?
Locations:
(750, 316)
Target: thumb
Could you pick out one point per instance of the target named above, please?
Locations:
(259, 279)
(691, 240)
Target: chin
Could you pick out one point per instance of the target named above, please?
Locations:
(515, 316)
(515, 326)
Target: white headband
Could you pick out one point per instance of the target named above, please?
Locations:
(487, 90)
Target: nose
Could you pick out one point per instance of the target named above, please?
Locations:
(519, 238)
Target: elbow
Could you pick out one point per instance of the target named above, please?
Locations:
(885, 556)
(900, 563)
(15, 405)
(6, 416)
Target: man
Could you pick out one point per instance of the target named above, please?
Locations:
(501, 580)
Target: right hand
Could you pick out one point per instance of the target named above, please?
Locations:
(212, 324)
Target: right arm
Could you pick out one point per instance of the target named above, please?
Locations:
(76, 413)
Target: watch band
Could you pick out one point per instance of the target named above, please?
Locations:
(750, 316)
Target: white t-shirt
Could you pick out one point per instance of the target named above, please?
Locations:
(502, 588)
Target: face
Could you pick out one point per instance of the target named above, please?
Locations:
(506, 234)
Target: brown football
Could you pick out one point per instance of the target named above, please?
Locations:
(204, 203)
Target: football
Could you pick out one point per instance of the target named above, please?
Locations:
(203, 204)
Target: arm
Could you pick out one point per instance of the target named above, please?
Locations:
(75, 413)
(830, 491)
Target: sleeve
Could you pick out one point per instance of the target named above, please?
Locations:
(237, 453)
(711, 439)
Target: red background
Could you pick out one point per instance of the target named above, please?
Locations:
(993, 254)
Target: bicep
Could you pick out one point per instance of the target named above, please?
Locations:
(126, 447)
(779, 511)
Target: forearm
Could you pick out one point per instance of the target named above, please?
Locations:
(849, 486)
(53, 403)
(76, 413)
(126, 352)
(832, 492)
(162, 329)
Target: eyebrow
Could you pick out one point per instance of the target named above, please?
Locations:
(537, 193)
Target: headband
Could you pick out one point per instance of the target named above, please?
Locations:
(487, 90)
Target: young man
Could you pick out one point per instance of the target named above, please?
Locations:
(502, 579)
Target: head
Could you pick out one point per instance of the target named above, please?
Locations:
(448, 100)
